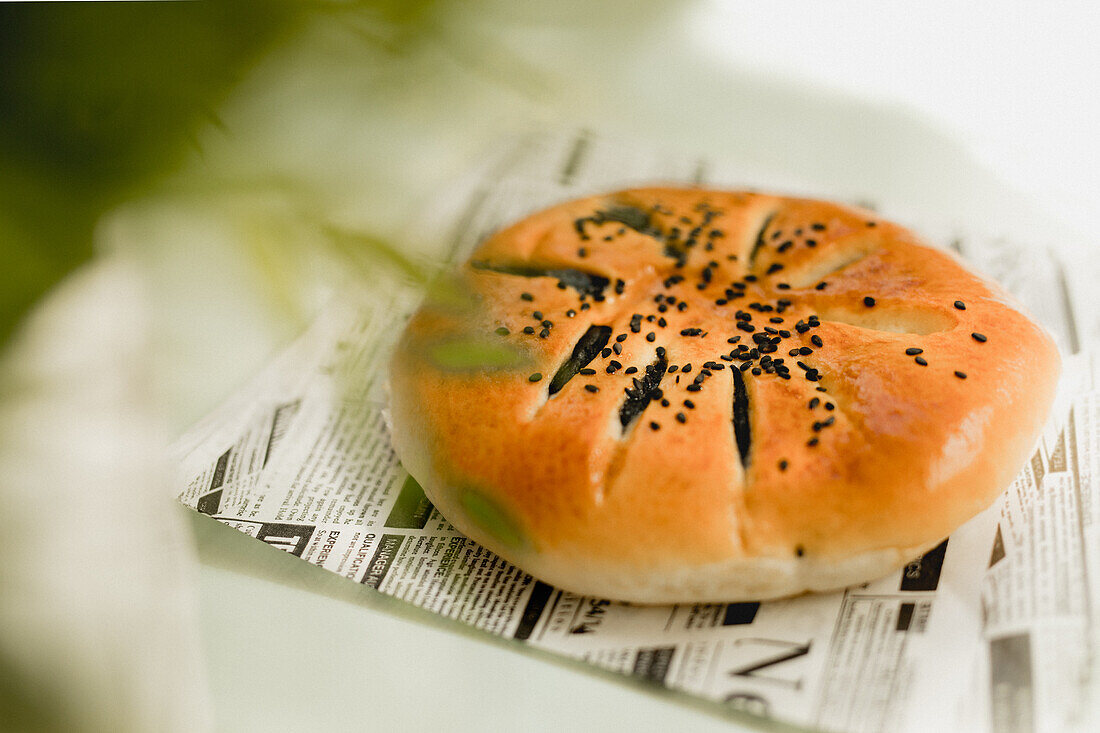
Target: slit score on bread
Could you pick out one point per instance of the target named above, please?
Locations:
(716, 396)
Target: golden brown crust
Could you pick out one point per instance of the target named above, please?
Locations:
(892, 456)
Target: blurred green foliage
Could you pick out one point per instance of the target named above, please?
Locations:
(98, 101)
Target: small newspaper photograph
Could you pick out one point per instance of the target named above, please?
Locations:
(992, 630)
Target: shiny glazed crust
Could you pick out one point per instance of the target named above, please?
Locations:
(831, 467)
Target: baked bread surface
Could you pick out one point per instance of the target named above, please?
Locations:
(696, 459)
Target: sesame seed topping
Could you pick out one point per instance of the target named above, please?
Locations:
(869, 301)
(920, 360)
(981, 338)
(582, 252)
(570, 313)
(654, 426)
(782, 286)
(526, 296)
(817, 226)
(587, 372)
(529, 329)
(782, 465)
(544, 333)
(585, 306)
(913, 351)
(617, 348)
(816, 341)
(960, 375)
(811, 442)
(800, 550)
(814, 402)
(591, 388)
(681, 417)
(664, 402)
(651, 336)
(536, 377)
(960, 305)
(631, 370)
(821, 285)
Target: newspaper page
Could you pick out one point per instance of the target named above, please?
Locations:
(992, 630)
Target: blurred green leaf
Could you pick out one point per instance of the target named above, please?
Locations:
(474, 353)
(96, 99)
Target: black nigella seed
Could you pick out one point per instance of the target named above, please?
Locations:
(606, 352)
(775, 319)
(782, 465)
(913, 351)
(821, 285)
(585, 306)
(811, 442)
(502, 331)
(981, 338)
(582, 252)
(536, 377)
(631, 370)
(662, 322)
(662, 308)
(650, 336)
(544, 333)
(570, 313)
(872, 224)
(733, 339)
(592, 388)
(673, 369)
(830, 406)
(783, 333)
(869, 301)
(757, 371)
(721, 301)
(817, 226)
(685, 368)
(654, 426)
(960, 375)
(782, 286)
(537, 315)
(587, 372)
(960, 305)
(815, 402)
(785, 246)
(664, 402)
(792, 352)
(689, 404)
(617, 348)
(800, 550)
(920, 360)
(816, 341)
(774, 267)
(693, 388)
(528, 329)
(681, 417)
(661, 352)
(526, 296)
(621, 337)
(805, 351)
(548, 324)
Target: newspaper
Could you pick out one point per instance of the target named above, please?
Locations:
(993, 630)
